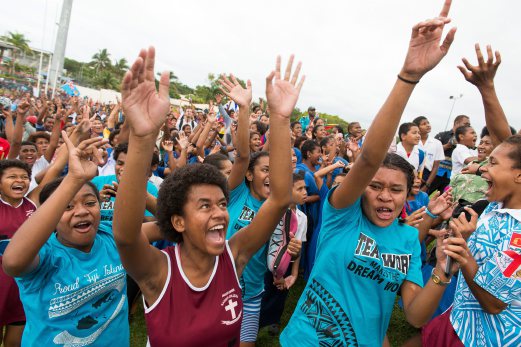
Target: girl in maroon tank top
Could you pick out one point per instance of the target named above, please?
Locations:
(192, 296)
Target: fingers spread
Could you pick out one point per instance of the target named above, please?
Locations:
(448, 40)
(287, 74)
(149, 64)
(141, 71)
(446, 8)
(164, 85)
(479, 55)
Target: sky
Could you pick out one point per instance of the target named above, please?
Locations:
(351, 50)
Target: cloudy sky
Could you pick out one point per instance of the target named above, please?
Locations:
(351, 50)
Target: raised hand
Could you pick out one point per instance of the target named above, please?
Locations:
(282, 94)
(183, 140)
(167, 145)
(233, 89)
(481, 75)
(440, 203)
(425, 51)
(415, 218)
(145, 108)
(84, 159)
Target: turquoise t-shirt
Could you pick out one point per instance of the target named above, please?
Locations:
(107, 207)
(242, 209)
(358, 271)
(75, 298)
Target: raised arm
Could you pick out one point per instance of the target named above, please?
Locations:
(55, 137)
(145, 111)
(21, 255)
(242, 97)
(424, 54)
(18, 132)
(282, 95)
(482, 76)
(210, 120)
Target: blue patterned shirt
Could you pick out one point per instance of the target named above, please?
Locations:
(496, 246)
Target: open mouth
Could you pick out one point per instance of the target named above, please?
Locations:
(83, 226)
(384, 213)
(19, 188)
(216, 234)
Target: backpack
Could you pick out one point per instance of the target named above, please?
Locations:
(278, 259)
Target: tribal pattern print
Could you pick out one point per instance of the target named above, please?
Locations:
(331, 323)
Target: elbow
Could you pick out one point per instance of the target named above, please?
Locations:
(11, 266)
(415, 322)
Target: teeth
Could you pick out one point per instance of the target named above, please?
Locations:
(217, 227)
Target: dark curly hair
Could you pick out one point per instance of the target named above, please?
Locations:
(174, 191)
(216, 160)
(9, 163)
(50, 187)
(515, 153)
(121, 148)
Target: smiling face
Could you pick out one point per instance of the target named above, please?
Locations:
(355, 129)
(97, 126)
(314, 156)
(412, 137)
(205, 219)
(330, 148)
(28, 154)
(485, 147)
(14, 184)
(385, 196)
(259, 178)
(320, 132)
(79, 223)
(503, 178)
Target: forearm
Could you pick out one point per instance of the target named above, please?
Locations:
(495, 118)
(312, 198)
(171, 161)
(111, 121)
(183, 158)
(488, 302)
(53, 143)
(130, 205)
(242, 137)
(151, 203)
(280, 170)
(202, 139)
(17, 137)
(426, 301)
(32, 235)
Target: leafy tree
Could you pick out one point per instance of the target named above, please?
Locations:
(20, 42)
(106, 80)
(101, 60)
(120, 67)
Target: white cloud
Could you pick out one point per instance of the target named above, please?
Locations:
(351, 50)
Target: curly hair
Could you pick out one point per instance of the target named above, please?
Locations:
(515, 153)
(216, 159)
(9, 163)
(174, 191)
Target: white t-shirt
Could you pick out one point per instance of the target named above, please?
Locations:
(433, 151)
(413, 158)
(302, 225)
(460, 153)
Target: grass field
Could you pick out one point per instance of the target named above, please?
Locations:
(399, 330)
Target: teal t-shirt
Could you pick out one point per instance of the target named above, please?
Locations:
(359, 269)
(242, 209)
(75, 298)
(107, 207)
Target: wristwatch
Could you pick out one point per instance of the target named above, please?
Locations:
(437, 279)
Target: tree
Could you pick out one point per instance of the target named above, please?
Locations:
(106, 80)
(20, 42)
(120, 67)
(101, 60)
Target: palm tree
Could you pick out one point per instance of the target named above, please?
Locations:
(121, 66)
(101, 60)
(106, 80)
(20, 42)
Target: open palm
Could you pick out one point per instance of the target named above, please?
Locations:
(233, 89)
(145, 108)
(425, 51)
(84, 159)
(282, 94)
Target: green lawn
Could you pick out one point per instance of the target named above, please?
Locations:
(399, 330)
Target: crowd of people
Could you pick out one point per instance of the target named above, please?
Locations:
(210, 216)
